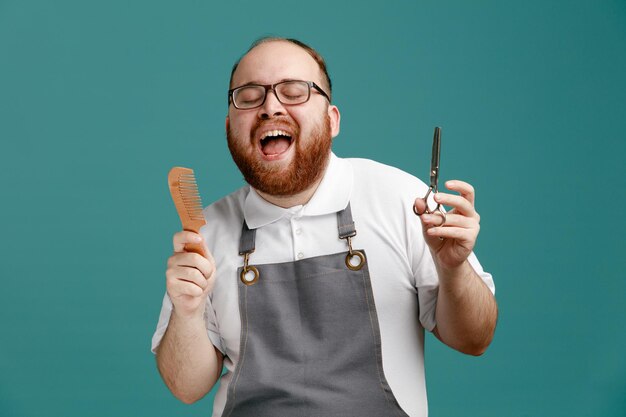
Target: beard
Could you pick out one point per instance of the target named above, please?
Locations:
(275, 178)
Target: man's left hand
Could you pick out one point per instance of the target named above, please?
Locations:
(452, 242)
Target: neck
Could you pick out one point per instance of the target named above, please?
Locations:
(299, 199)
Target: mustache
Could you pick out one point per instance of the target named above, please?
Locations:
(283, 123)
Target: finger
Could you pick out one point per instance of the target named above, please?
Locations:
(465, 189)
(186, 274)
(180, 288)
(460, 203)
(419, 206)
(192, 260)
(466, 237)
(433, 220)
(452, 220)
(183, 237)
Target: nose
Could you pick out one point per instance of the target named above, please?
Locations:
(272, 107)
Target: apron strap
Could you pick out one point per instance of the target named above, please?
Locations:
(246, 244)
(345, 226)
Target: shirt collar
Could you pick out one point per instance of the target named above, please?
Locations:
(331, 196)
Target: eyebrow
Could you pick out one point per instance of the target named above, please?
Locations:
(259, 83)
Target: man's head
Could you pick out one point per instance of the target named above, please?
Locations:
(281, 149)
(327, 84)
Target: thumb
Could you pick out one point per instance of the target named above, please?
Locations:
(419, 206)
(198, 247)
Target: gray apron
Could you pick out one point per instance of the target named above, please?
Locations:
(310, 341)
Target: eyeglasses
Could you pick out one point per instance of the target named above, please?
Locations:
(290, 92)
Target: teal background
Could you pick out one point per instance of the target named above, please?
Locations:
(99, 99)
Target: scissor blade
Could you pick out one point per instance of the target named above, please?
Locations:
(434, 162)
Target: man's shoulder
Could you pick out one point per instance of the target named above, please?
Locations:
(229, 206)
(377, 173)
(379, 189)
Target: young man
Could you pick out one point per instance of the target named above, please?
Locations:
(321, 279)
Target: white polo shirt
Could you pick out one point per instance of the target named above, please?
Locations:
(403, 276)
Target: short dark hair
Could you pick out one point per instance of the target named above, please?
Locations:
(314, 54)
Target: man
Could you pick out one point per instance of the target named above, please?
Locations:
(321, 278)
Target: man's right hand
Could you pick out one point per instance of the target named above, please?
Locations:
(189, 276)
(187, 360)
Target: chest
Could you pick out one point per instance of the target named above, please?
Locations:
(298, 238)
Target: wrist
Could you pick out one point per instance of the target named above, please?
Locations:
(188, 318)
(457, 276)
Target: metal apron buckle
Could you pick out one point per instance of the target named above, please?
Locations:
(352, 254)
(243, 276)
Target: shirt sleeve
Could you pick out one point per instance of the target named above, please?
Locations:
(427, 286)
(485, 276)
(425, 272)
(164, 318)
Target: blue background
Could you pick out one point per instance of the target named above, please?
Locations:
(98, 100)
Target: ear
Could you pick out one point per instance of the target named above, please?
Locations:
(227, 123)
(335, 120)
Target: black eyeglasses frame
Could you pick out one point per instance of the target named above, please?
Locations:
(272, 87)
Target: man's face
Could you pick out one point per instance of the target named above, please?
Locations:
(280, 149)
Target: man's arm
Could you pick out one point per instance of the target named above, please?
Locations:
(187, 360)
(466, 312)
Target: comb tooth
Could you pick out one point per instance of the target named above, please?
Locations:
(189, 191)
(189, 194)
(192, 203)
(195, 213)
(190, 198)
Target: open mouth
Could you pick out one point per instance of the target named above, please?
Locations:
(275, 142)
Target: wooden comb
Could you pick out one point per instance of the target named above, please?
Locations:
(188, 203)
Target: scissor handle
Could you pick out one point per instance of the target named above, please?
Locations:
(425, 199)
(437, 210)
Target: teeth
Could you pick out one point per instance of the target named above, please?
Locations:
(274, 133)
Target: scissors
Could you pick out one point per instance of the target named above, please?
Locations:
(434, 179)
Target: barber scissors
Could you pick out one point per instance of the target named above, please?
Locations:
(434, 179)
